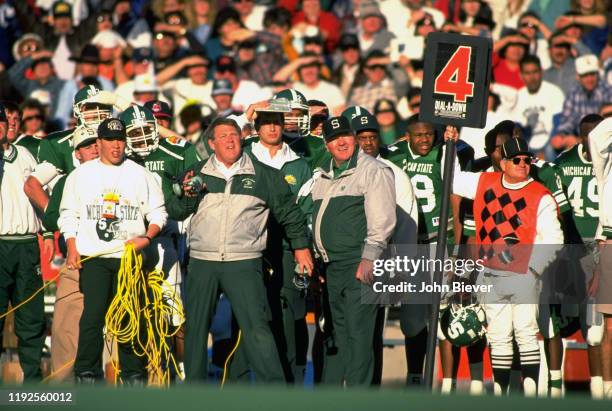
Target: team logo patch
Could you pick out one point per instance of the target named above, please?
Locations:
(156, 107)
(290, 179)
(248, 182)
(115, 125)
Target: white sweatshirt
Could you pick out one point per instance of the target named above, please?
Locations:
(104, 205)
(17, 216)
(548, 229)
(600, 146)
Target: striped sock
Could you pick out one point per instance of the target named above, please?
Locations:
(555, 384)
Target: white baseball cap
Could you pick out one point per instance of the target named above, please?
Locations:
(82, 135)
(587, 64)
(145, 83)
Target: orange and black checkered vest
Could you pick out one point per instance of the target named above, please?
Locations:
(506, 222)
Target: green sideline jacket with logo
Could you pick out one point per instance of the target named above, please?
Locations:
(231, 217)
(354, 211)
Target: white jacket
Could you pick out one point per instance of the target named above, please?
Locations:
(600, 146)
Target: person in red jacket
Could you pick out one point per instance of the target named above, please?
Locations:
(328, 23)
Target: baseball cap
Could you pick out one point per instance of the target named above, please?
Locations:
(348, 41)
(336, 126)
(142, 54)
(222, 86)
(365, 121)
(383, 105)
(368, 9)
(160, 109)
(82, 136)
(587, 64)
(3, 118)
(145, 83)
(225, 63)
(61, 9)
(112, 128)
(514, 147)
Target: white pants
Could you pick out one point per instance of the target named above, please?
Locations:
(508, 320)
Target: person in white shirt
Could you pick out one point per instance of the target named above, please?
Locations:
(20, 255)
(246, 92)
(313, 87)
(537, 103)
(600, 146)
(106, 204)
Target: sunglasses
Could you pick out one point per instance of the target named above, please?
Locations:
(375, 66)
(518, 160)
(531, 26)
(40, 118)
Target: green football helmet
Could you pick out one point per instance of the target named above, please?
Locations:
(297, 123)
(463, 325)
(353, 111)
(141, 127)
(89, 113)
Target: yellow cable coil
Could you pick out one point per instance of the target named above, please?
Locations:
(145, 301)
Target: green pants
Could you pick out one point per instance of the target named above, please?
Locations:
(20, 277)
(98, 283)
(287, 306)
(242, 283)
(354, 325)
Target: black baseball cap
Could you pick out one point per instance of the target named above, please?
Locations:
(61, 9)
(160, 109)
(514, 147)
(3, 117)
(225, 63)
(112, 128)
(336, 126)
(365, 121)
(348, 41)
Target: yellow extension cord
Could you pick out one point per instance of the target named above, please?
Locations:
(139, 299)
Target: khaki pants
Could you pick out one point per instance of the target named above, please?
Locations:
(65, 328)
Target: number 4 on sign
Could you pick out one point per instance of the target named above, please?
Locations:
(453, 79)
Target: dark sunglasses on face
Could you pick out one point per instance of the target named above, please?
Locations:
(518, 160)
(38, 117)
(531, 26)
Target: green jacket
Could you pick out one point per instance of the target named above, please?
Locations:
(29, 142)
(56, 149)
(354, 212)
(231, 217)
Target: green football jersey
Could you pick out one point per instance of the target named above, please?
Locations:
(550, 176)
(56, 149)
(425, 173)
(580, 185)
(311, 148)
(31, 143)
(170, 161)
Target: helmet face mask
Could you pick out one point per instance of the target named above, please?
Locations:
(463, 325)
(297, 122)
(92, 114)
(141, 127)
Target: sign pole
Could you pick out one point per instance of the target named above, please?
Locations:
(432, 335)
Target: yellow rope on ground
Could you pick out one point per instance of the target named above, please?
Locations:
(48, 377)
(47, 283)
(141, 312)
(231, 354)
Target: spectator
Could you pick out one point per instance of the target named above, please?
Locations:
(584, 99)
(145, 89)
(141, 63)
(32, 118)
(222, 39)
(538, 102)
(251, 14)
(9, 32)
(402, 15)
(507, 55)
(378, 84)
(549, 10)
(591, 15)
(277, 22)
(529, 25)
(222, 94)
(42, 75)
(161, 111)
(350, 59)
(245, 92)
(475, 137)
(562, 71)
(88, 64)
(110, 46)
(312, 86)
(575, 32)
(200, 16)
(373, 34)
(61, 37)
(391, 125)
(328, 24)
(166, 50)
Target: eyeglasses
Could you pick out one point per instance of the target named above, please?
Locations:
(375, 66)
(531, 26)
(518, 160)
(101, 19)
